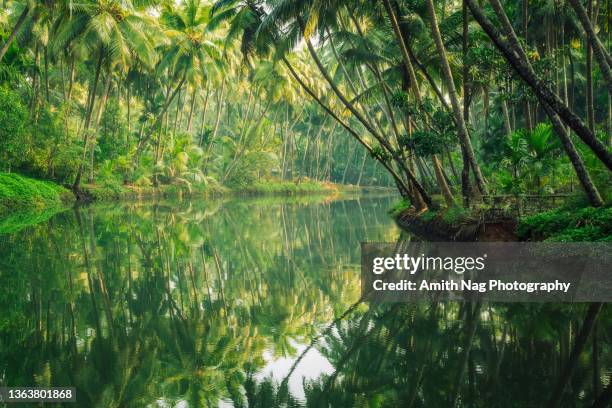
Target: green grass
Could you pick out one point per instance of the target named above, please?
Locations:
(399, 207)
(568, 225)
(286, 187)
(19, 193)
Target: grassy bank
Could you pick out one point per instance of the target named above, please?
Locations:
(118, 192)
(566, 224)
(19, 193)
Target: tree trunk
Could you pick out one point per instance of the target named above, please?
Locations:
(16, 28)
(566, 141)
(160, 116)
(402, 186)
(590, 108)
(384, 143)
(92, 95)
(517, 58)
(464, 137)
(594, 44)
(191, 107)
(448, 196)
(203, 118)
(446, 192)
(46, 56)
(507, 127)
(465, 170)
(101, 108)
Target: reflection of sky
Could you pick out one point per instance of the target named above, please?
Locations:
(312, 366)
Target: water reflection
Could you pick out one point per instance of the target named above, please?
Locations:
(256, 303)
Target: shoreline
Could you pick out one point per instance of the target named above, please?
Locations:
(565, 224)
(26, 201)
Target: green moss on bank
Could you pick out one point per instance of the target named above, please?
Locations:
(19, 193)
(568, 225)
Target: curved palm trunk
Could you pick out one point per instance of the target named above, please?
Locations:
(203, 118)
(590, 108)
(515, 55)
(216, 126)
(446, 192)
(401, 185)
(581, 171)
(16, 28)
(464, 137)
(384, 143)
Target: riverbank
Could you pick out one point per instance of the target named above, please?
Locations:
(23, 194)
(566, 224)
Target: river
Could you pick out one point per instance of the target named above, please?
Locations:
(254, 302)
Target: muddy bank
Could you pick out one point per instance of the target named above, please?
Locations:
(437, 227)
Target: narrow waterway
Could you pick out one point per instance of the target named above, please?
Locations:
(255, 302)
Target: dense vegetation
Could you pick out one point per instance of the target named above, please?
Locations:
(21, 193)
(448, 98)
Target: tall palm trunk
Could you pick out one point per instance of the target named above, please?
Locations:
(16, 28)
(465, 42)
(191, 107)
(216, 126)
(464, 137)
(444, 188)
(92, 97)
(160, 116)
(101, 107)
(46, 56)
(590, 108)
(604, 60)
(203, 116)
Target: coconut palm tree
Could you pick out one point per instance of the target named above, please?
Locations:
(116, 33)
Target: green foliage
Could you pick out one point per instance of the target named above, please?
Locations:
(399, 207)
(567, 225)
(19, 192)
(455, 215)
(13, 117)
(378, 152)
(287, 188)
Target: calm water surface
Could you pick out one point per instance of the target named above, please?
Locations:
(255, 302)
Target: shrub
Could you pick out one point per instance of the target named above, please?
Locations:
(18, 192)
(565, 225)
(13, 117)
